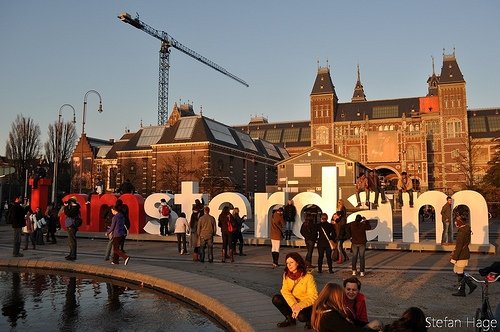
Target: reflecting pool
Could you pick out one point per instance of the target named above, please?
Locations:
(34, 301)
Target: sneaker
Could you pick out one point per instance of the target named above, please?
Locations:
(353, 273)
(361, 274)
(113, 263)
(126, 260)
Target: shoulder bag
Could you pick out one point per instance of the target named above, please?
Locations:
(332, 243)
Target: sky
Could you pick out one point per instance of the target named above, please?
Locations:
(53, 52)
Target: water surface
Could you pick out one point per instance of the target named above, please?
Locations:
(34, 301)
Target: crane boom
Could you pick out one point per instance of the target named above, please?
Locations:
(167, 42)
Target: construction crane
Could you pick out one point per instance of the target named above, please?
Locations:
(168, 41)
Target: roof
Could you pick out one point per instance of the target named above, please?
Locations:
(323, 83)
(450, 72)
(287, 134)
(484, 123)
(323, 153)
(192, 129)
(119, 145)
(376, 109)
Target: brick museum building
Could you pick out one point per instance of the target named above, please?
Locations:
(441, 143)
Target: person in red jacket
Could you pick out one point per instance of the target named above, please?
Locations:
(355, 303)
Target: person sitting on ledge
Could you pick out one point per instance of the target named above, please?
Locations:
(298, 292)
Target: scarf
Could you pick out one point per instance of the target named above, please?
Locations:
(294, 276)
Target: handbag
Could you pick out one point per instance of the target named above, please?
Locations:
(332, 243)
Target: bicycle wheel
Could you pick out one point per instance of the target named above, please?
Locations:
(490, 317)
(477, 318)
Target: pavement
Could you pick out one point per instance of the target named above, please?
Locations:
(239, 294)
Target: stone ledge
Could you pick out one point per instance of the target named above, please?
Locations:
(211, 306)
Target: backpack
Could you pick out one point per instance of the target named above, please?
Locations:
(165, 211)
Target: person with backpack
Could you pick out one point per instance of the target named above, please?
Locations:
(164, 210)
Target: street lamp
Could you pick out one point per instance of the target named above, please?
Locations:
(83, 129)
(58, 133)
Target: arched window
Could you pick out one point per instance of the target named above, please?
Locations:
(322, 135)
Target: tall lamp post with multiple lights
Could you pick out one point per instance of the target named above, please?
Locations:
(58, 140)
(83, 130)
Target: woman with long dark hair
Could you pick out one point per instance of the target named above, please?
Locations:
(298, 292)
(329, 313)
(461, 254)
(227, 227)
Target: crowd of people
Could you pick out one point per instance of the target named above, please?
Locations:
(335, 308)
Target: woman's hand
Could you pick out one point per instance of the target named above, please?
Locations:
(295, 310)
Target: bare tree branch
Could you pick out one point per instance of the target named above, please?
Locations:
(23, 145)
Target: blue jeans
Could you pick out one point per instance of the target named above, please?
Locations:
(358, 249)
(72, 241)
(447, 236)
(109, 247)
(310, 249)
(207, 243)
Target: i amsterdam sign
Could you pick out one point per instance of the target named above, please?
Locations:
(143, 213)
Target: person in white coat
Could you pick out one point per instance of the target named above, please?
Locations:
(181, 229)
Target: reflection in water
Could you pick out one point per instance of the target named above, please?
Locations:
(39, 302)
(13, 302)
(69, 315)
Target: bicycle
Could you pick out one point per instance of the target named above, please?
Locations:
(484, 316)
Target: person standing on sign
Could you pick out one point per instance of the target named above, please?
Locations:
(446, 214)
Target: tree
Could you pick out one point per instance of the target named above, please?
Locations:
(467, 161)
(175, 169)
(66, 134)
(23, 146)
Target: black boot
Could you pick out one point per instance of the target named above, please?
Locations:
(287, 322)
(276, 256)
(241, 249)
(471, 284)
(461, 288)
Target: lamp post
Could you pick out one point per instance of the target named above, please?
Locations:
(83, 130)
(58, 133)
